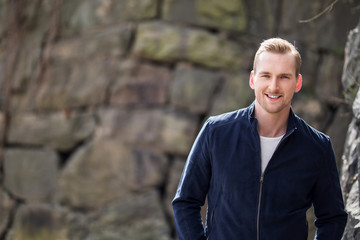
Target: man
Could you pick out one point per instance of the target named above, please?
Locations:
(262, 167)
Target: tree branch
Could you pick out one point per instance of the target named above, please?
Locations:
(328, 9)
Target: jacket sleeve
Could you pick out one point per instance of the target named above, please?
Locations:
(192, 190)
(328, 203)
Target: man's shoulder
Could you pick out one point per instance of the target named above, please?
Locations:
(311, 133)
(229, 118)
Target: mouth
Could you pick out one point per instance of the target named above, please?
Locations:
(272, 97)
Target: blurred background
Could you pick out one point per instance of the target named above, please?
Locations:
(101, 101)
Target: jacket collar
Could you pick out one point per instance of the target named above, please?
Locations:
(291, 125)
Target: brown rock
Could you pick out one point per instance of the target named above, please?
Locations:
(140, 84)
(109, 42)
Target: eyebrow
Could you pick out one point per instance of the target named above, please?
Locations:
(287, 74)
(281, 74)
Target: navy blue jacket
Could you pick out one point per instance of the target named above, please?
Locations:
(224, 163)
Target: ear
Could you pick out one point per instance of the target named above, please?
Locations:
(298, 83)
(251, 80)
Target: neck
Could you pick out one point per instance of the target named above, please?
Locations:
(271, 124)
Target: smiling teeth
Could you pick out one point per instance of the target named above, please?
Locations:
(270, 96)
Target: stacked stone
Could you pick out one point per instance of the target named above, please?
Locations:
(103, 115)
(351, 158)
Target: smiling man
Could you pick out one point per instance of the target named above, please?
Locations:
(261, 167)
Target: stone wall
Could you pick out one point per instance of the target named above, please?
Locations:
(101, 101)
(351, 158)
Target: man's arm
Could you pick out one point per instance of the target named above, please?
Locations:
(192, 190)
(328, 201)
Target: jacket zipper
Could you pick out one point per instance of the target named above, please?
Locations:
(258, 210)
(260, 189)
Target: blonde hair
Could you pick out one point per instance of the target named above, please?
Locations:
(279, 45)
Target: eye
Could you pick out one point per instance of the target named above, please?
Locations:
(265, 76)
(285, 77)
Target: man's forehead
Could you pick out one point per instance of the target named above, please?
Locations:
(281, 63)
(268, 54)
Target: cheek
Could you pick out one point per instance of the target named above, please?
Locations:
(290, 93)
(259, 86)
(257, 91)
(290, 88)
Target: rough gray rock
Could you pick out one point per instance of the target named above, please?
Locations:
(137, 217)
(6, 207)
(106, 170)
(78, 16)
(173, 182)
(351, 158)
(39, 222)
(356, 106)
(351, 73)
(59, 130)
(235, 92)
(31, 174)
(353, 208)
(328, 85)
(192, 89)
(166, 130)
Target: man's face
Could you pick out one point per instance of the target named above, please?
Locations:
(274, 82)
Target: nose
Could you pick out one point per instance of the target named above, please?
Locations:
(273, 85)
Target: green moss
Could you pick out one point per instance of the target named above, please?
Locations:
(40, 234)
(140, 9)
(166, 8)
(212, 50)
(166, 42)
(350, 93)
(226, 14)
(157, 41)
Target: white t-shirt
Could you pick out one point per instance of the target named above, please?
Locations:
(268, 146)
